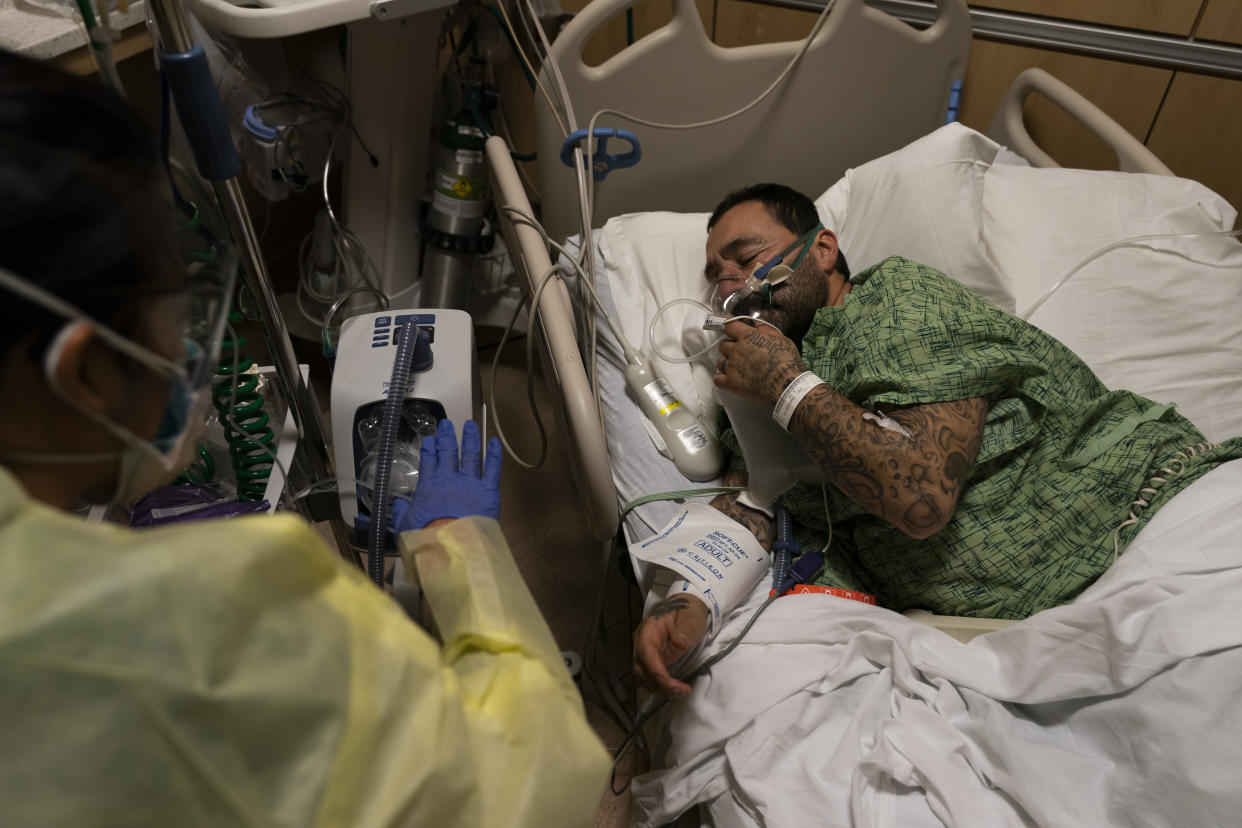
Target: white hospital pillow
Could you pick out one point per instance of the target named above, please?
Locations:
(650, 259)
(1163, 319)
(923, 202)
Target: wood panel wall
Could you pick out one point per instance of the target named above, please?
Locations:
(1130, 94)
(1222, 20)
(1192, 122)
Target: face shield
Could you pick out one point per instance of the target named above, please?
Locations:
(196, 318)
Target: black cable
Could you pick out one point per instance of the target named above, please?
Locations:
(489, 345)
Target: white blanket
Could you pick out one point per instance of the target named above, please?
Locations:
(1123, 708)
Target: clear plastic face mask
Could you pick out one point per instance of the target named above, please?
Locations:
(767, 276)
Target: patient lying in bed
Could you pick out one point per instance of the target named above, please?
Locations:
(995, 474)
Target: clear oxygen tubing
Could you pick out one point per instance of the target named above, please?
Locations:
(655, 321)
(389, 424)
(651, 329)
(1057, 285)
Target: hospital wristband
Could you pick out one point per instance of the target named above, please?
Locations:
(792, 396)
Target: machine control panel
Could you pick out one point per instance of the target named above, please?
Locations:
(385, 328)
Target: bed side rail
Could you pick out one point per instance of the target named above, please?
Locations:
(562, 362)
(1009, 129)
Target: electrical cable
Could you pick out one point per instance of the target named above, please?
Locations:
(609, 692)
(517, 50)
(539, 81)
(544, 280)
(507, 132)
(587, 198)
(611, 320)
(326, 331)
(604, 687)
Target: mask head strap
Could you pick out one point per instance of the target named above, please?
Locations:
(806, 240)
(39, 296)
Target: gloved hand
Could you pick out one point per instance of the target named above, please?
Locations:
(447, 489)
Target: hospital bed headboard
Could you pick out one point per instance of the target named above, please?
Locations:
(1009, 129)
(868, 85)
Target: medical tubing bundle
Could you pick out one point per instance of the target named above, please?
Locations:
(391, 421)
(247, 427)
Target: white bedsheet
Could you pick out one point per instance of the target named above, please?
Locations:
(1119, 709)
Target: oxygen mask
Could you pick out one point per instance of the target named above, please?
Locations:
(763, 280)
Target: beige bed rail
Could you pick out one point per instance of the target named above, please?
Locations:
(1009, 129)
(562, 362)
(867, 85)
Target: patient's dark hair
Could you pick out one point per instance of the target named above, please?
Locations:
(83, 211)
(787, 207)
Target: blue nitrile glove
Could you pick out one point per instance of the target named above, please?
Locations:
(447, 489)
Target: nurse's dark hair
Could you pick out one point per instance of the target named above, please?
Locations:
(83, 211)
(787, 207)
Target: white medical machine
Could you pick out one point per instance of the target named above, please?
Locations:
(444, 382)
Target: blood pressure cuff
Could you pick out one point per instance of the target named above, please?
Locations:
(718, 558)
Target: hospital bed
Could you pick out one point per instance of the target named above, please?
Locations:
(789, 139)
(995, 212)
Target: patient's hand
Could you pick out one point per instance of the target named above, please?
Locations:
(757, 362)
(669, 631)
(678, 622)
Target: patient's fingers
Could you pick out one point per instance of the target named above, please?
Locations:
(655, 646)
(736, 329)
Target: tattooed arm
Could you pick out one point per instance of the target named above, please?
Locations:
(678, 622)
(759, 524)
(913, 482)
(668, 632)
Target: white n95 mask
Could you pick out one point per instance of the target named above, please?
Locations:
(145, 464)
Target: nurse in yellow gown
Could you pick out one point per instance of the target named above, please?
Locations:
(231, 672)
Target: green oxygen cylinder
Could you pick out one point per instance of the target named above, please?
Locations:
(456, 230)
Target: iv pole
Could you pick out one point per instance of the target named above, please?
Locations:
(185, 66)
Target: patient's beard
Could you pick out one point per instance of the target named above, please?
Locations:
(794, 302)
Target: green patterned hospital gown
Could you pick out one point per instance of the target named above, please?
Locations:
(1062, 457)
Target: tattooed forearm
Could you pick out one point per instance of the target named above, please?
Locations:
(669, 606)
(912, 482)
(757, 523)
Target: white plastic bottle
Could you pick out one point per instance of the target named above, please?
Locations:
(694, 449)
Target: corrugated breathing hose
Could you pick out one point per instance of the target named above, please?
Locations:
(389, 424)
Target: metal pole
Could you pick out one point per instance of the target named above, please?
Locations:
(1183, 54)
(199, 108)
